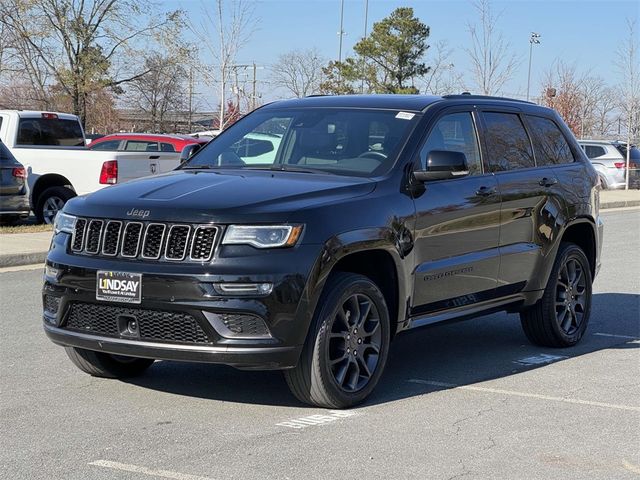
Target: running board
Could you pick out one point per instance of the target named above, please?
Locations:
(468, 311)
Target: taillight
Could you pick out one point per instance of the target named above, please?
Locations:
(109, 172)
(19, 172)
(620, 164)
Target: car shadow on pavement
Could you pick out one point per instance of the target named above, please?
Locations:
(459, 353)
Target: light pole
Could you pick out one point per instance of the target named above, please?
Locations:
(341, 32)
(534, 39)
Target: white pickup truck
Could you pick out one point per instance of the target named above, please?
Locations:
(52, 148)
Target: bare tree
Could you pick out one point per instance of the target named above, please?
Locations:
(160, 90)
(442, 78)
(627, 63)
(299, 72)
(492, 63)
(221, 34)
(604, 117)
(77, 42)
(561, 91)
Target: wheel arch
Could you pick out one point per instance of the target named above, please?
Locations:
(582, 232)
(371, 253)
(46, 181)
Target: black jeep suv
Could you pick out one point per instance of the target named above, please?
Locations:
(311, 232)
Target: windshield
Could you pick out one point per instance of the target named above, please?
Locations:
(355, 142)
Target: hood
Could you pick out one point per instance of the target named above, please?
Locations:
(219, 196)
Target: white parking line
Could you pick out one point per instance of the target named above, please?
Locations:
(616, 336)
(499, 391)
(314, 420)
(540, 359)
(147, 471)
(22, 268)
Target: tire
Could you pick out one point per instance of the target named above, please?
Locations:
(50, 202)
(560, 317)
(603, 183)
(99, 364)
(330, 373)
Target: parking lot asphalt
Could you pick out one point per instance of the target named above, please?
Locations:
(464, 400)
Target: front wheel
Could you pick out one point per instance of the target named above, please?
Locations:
(51, 202)
(560, 317)
(347, 345)
(100, 364)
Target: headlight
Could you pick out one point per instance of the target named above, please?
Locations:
(263, 236)
(64, 223)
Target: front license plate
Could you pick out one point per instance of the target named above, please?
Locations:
(119, 287)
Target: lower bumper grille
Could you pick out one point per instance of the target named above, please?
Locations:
(152, 325)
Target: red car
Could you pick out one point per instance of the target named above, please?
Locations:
(145, 142)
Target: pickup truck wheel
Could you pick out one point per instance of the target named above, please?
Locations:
(104, 365)
(346, 348)
(560, 317)
(50, 202)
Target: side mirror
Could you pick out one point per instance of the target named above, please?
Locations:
(443, 164)
(189, 151)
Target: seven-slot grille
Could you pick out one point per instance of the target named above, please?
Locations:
(148, 241)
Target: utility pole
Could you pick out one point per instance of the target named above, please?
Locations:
(253, 90)
(366, 15)
(190, 99)
(534, 39)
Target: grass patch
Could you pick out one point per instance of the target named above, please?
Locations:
(25, 228)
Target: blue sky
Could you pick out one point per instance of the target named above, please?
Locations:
(584, 33)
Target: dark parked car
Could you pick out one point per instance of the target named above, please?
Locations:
(373, 216)
(14, 197)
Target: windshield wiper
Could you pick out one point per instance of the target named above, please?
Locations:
(197, 167)
(291, 168)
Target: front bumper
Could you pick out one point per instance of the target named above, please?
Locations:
(246, 358)
(179, 289)
(14, 205)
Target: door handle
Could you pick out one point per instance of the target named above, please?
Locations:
(547, 182)
(486, 191)
(154, 157)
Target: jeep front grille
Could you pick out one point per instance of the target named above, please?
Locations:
(144, 240)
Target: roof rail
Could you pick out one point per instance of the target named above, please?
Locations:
(319, 95)
(467, 96)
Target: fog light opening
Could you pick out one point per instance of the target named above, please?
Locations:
(264, 288)
(238, 325)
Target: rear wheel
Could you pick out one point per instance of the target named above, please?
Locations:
(51, 202)
(100, 364)
(560, 317)
(346, 349)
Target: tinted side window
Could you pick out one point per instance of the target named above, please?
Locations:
(141, 146)
(50, 131)
(508, 144)
(108, 145)
(549, 142)
(455, 133)
(167, 147)
(594, 151)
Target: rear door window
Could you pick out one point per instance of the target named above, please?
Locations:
(167, 147)
(49, 132)
(594, 151)
(508, 145)
(141, 146)
(550, 145)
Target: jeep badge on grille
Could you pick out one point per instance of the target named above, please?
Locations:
(134, 212)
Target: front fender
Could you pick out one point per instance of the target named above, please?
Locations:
(389, 240)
